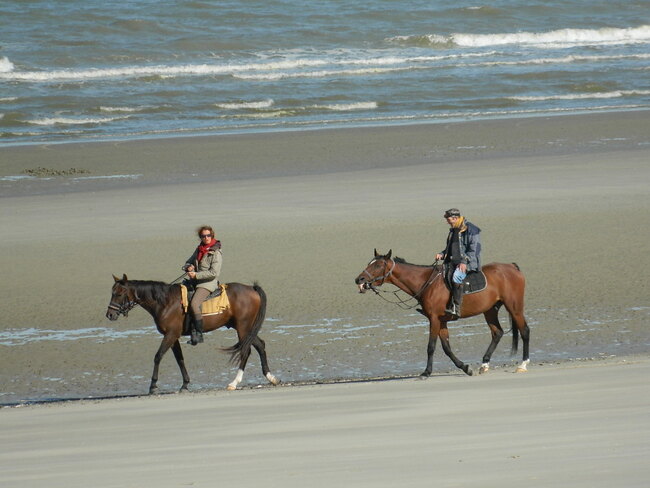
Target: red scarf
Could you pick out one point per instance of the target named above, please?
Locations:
(203, 249)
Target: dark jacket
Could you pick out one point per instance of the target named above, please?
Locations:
(470, 246)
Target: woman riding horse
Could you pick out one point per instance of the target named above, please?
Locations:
(203, 268)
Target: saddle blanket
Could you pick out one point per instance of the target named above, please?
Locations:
(212, 306)
(474, 282)
(219, 304)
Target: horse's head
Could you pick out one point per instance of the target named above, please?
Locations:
(376, 272)
(123, 298)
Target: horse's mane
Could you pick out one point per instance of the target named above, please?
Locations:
(404, 261)
(156, 291)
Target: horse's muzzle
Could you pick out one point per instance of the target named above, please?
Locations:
(112, 314)
(362, 284)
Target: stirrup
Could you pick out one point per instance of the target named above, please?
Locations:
(453, 311)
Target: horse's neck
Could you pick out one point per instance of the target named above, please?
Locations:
(146, 301)
(410, 278)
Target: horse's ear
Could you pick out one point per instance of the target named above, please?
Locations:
(116, 278)
(376, 253)
(389, 254)
(124, 277)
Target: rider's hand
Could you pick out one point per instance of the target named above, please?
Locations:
(191, 274)
(189, 267)
(438, 257)
(462, 267)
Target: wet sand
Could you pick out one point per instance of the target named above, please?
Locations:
(564, 197)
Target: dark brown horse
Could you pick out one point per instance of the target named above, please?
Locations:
(505, 286)
(163, 302)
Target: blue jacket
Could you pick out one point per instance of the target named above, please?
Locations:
(470, 246)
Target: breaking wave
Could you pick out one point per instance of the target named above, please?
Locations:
(555, 38)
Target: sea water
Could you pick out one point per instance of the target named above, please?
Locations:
(81, 70)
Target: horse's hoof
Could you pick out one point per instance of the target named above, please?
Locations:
(184, 389)
(231, 387)
(425, 374)
(484, 369)
(523, 367)
(153, 391)
(272, 379)
(468, 371)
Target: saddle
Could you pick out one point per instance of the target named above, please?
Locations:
(474, 282)
(216, 303)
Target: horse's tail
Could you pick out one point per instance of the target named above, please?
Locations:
(241, 350)
(513, 327)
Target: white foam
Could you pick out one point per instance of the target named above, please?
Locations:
(246, 105)
(561, 60)
(344, 107)
(262, 70)
(72, 120)
(6, 66)
(582, 96)
(572, 37)
(318, 74)
(122, 109)
(263, 115)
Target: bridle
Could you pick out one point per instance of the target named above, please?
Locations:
(402, 303)
(370, 284)
(123, 308)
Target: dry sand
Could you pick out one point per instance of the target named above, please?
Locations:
(565, 197)
(578, 426)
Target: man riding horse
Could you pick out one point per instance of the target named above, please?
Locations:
(461, 255)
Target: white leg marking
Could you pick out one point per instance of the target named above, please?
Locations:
(523, 367)
(485, 367)
(272, 379)
(237, 380)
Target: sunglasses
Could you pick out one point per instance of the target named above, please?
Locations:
(203, 236)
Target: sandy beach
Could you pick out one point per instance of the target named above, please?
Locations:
(565, 197)
(569, 425)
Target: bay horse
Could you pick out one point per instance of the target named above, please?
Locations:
(163, 301)
(505, 287)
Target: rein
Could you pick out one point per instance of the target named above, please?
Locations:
(404, 304)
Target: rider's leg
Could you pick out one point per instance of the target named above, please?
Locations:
(456, 293)
(195, 310)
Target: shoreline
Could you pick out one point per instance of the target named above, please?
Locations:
(361, 127)
(89, 166)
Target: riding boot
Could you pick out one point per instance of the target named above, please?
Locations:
(199, 330)
(196, 336)
(455, 301)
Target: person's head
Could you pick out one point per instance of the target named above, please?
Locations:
(452, 216)
(205, 233)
